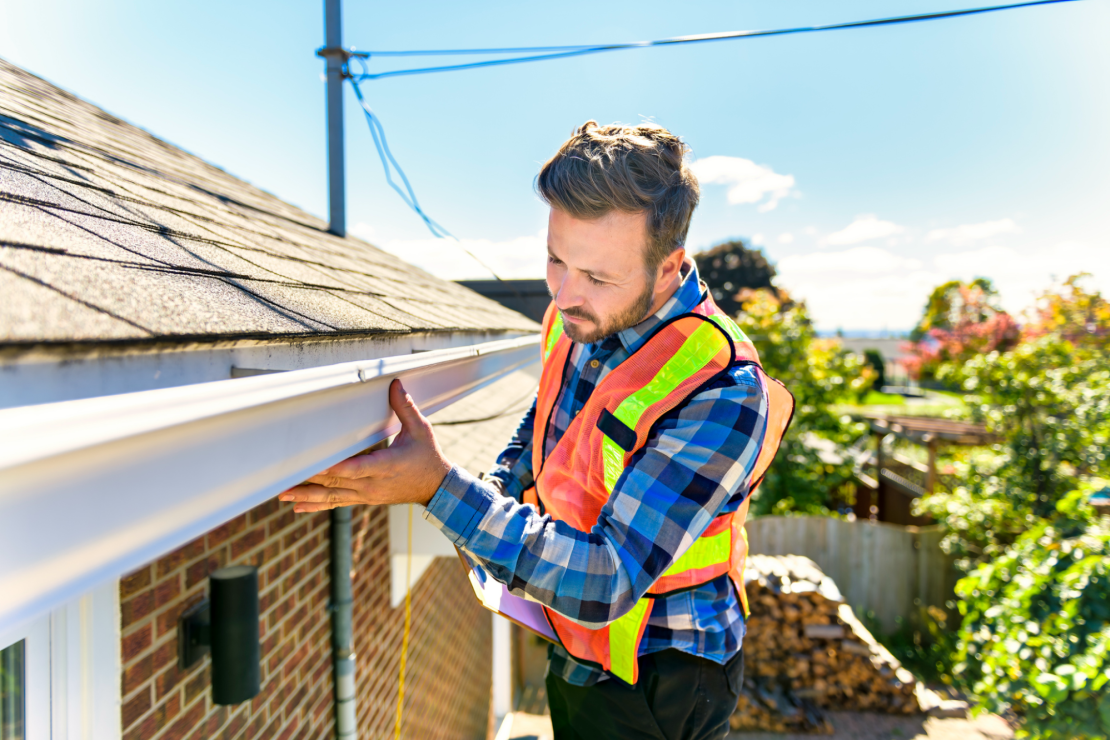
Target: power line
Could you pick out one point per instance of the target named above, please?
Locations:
(377, 131)
(543, 53)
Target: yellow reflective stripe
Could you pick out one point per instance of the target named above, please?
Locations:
(624, 636)
(696, 352)
(730, 327)
(705, 551)
(613, 458)
(553, 335)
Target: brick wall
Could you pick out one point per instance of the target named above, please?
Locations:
(161, 702)
(448, 679)
(449, 667)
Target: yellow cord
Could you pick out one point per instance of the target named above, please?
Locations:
(405, 638)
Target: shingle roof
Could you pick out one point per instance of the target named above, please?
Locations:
(109, 234)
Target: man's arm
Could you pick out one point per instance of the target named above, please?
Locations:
(696, 465)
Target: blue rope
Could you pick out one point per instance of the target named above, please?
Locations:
(542, 53)
(408, 195)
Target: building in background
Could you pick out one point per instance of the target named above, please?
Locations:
(176, 347)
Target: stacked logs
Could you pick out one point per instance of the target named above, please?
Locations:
(805, 651)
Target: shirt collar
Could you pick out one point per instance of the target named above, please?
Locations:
(684, 300)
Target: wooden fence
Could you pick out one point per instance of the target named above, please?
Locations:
(885, 568)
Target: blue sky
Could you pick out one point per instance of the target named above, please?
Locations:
(870, 164)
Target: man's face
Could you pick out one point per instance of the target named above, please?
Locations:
(596, 275)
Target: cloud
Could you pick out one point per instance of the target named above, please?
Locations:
(522, 257)
(748, 182)
(864, 228)
(757, 240)
(364, 230)
(969, 233)
(869, 287)
(854, 261)
(1020, 276)
(786, 238)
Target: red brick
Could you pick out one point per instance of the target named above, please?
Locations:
(283, 520)
(166, 591)
(180, 556)
(235, 726)
(196, 686)
(135, 643)
(133, 583)
(252, 539)
(134, 709)
(186, 723)
(291, 538)
(166, 621)
(223, 533)
(164, 654)
(136, 609)
(135, 675)
(262, 511)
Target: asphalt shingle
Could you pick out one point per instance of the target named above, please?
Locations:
(110, 234)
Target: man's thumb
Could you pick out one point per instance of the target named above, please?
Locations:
(405, 408)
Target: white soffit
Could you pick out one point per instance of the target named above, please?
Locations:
(93, 488)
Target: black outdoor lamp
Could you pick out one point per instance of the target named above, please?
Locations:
(227, 624)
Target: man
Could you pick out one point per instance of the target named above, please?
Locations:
(619, 504)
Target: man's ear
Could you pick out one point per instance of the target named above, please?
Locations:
(669, 269)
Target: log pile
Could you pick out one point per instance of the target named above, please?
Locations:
(805, 651)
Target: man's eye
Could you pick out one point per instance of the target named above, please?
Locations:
(595, 281)
(554, 260)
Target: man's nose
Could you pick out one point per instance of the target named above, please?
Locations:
(568, 293)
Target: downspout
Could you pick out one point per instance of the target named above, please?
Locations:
(342, 633)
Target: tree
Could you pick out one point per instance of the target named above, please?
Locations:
(820, 373)
(874, 358)
(731, 267)
(960, 321)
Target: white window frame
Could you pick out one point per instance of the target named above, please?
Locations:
(72, 669)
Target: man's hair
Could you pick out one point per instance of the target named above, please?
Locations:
(632, 169)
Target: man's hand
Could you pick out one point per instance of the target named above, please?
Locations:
(408, 471)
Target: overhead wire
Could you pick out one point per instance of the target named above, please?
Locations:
(543, 53)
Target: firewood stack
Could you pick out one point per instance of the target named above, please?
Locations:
(805, 651)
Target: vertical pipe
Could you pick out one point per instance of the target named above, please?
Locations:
(343, 654)
(337, 195)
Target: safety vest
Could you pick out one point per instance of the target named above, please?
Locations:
(574, 482)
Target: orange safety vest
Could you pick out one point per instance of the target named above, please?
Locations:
(576, 480)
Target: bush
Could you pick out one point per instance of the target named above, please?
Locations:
(1035, 636)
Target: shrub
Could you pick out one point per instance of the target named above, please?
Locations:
(820, 373)
(1035, 636)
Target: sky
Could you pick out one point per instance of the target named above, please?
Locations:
(870, 165)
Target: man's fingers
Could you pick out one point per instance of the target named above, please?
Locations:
(319, 496)
(405, 408)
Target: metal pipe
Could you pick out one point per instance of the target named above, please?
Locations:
(342, 633)
(333, 42)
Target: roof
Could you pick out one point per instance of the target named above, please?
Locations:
(109, 234)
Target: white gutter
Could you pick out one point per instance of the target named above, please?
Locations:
(94, 488)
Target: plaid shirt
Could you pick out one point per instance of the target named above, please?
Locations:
(696, 465)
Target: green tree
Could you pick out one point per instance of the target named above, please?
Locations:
(820, 373)
(730, 268)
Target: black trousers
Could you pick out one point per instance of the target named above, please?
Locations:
(678, 697)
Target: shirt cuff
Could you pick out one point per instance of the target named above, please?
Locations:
(459, 505)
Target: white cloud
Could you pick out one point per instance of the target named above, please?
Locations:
(1020, 276)
(854, 261)
(969, 233)
(364, 231)
(758, 240)
(748, 182)
(522, 257)
(864, 228)
(786, 238)
(869, 287)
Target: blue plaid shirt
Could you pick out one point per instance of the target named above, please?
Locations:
(696, 465)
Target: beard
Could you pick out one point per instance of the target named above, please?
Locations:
(626, 318)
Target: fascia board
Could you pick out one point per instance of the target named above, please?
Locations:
(94, 488)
